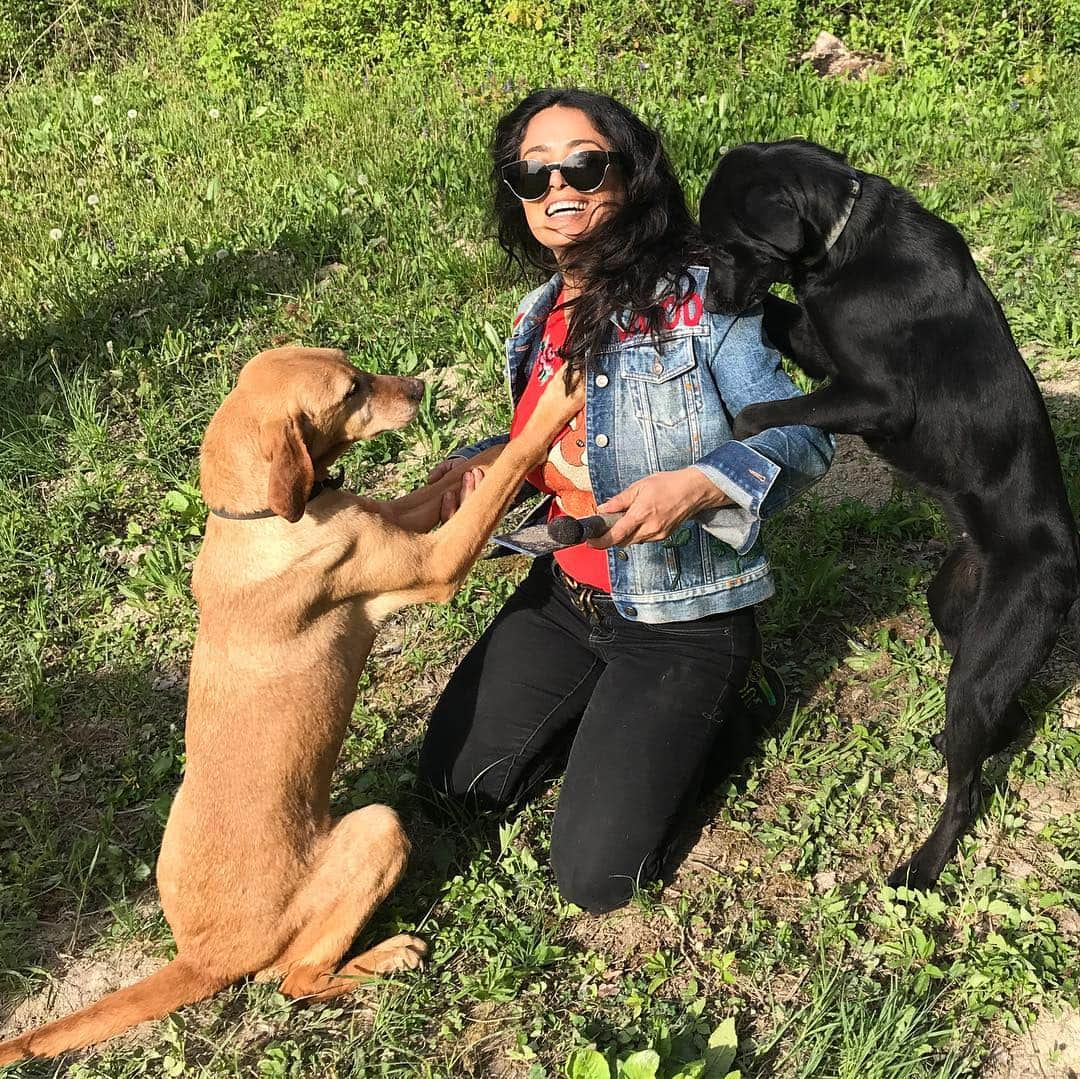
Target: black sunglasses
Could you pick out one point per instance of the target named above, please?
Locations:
(583, 170)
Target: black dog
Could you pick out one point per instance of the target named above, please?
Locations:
(922, 365)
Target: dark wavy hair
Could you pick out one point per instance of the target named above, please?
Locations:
(622, 259)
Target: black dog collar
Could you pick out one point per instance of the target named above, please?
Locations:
(331, 483)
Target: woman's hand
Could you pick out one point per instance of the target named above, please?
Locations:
(654, 507)
(453, 499)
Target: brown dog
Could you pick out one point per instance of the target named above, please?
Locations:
(255, 877)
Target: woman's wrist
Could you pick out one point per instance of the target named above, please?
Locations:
(705, 495)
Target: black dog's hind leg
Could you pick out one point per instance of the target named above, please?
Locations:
(789, 331)
(1004, 641)
(953, 592)
(837, 408)
(950, 597)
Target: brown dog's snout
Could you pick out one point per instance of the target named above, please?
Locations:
(414, 389)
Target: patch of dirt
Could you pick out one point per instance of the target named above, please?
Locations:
(1060, 391)
(1045, 804)
(856, 473)
(485, 1041)
(1068, 200)
(831, 57)
(1049, 1050)
(718, 850)
(625, 938)
(82, 981)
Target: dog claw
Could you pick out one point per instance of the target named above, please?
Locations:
(938, 742)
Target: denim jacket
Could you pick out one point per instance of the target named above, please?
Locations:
(665, 404)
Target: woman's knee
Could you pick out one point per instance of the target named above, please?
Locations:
(597, 884)
(468, 782)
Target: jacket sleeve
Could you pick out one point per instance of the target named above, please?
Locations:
(764, 473)
(465, 452)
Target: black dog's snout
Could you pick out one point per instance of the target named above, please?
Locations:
(414, 389)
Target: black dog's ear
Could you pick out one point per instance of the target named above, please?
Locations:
(770, 216)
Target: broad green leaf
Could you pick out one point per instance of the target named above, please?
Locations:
(176, 501)
(723, 1045)
(587, 1064)
(641, 1065)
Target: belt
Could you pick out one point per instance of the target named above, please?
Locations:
(584, 597)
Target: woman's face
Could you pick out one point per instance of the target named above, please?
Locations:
(564, 215)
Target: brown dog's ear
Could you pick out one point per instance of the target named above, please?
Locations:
(291, 472)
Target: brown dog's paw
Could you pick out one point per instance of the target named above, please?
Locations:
(403, 952)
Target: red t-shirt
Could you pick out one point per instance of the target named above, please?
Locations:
(565, 474)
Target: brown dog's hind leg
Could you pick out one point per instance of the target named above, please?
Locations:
(362, 858)
(403, 952)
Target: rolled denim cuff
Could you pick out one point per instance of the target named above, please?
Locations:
(746, 477)
(465, 452)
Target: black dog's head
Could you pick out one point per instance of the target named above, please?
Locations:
(768, 208)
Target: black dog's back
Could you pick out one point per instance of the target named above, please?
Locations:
(980, 436)
(921, 364)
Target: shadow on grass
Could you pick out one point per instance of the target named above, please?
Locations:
(160, 295)
(84, 783)
(84, 789)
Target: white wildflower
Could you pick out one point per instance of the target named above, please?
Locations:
(132, 113)
(56, 234)
(92, 200)
(97, 99)
(215, 114)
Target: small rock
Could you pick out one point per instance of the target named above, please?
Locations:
(831, 57)
(824, 881)
(169, 682)
(1019, 869)
(325, 274)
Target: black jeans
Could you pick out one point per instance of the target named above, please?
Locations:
(640, 706)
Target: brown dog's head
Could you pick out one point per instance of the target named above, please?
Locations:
(293, 412)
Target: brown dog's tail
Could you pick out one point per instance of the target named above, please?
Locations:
(177, 983)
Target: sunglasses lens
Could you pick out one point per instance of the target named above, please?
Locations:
(527, 179)
(585, 171)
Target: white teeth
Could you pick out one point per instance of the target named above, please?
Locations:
(564, 208)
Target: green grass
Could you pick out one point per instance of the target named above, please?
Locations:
(346, 207)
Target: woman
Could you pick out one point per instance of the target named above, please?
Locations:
(629, 650)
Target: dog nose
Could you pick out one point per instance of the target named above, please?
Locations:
(414, 389)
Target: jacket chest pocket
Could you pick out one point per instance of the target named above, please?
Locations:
(664, 386)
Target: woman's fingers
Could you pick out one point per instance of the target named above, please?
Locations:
(440, 470)
(469, 482)
(452, 500)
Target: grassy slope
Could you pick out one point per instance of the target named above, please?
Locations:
(347, 210)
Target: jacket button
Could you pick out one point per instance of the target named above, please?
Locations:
(658, 368)
(630, 612)
(621, 555)
(601, 381)
(601, 440)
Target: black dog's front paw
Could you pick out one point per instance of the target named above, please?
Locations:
(748, 423)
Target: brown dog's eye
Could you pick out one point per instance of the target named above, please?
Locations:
(354, 389)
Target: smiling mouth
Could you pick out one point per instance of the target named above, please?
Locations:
(564, 208)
